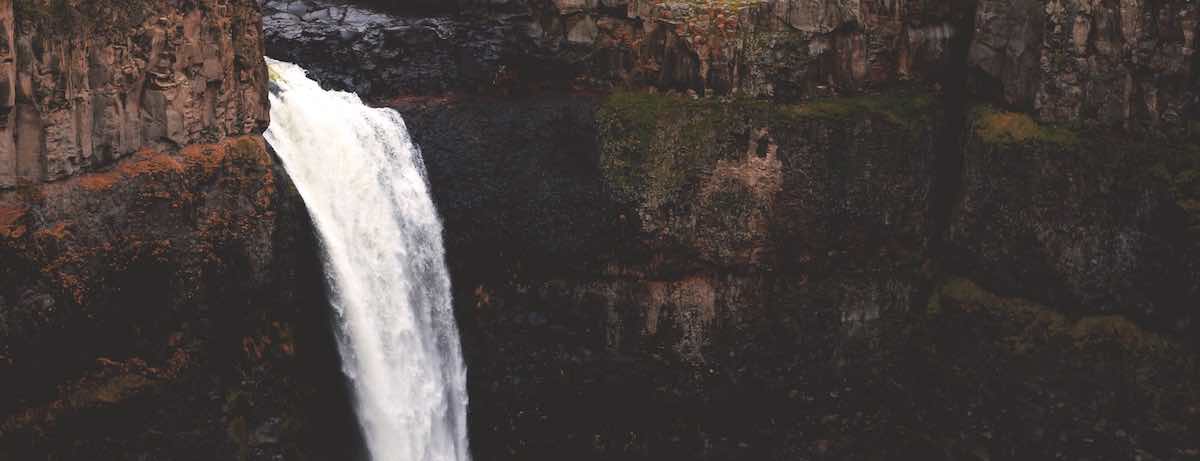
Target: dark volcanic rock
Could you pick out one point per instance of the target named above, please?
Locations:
(642, 276)
(1085, 221)
(168, 308)
(784, 49)
(611, 256)
(1128, 64)
(375, 54)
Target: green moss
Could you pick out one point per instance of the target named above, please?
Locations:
(1011, 127)
(934, 306)
(903, 108)
(1038, 324)
(965, 291)
(654, 147)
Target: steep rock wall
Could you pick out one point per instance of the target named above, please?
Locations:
(1083, 220)
(777, 48)
(715, 269)
(88, 82)
(160, 289)
(168, 308)
(641, 276)
(1130, 63)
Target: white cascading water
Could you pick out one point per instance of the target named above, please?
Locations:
(364, 184)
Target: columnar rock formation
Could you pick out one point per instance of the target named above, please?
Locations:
(1131, 63)
(762, 48)
(160, 295)
(88, 82)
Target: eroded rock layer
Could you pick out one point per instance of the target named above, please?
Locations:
(169, 307)
(87, 82)
(642, 276)
(1130, 63)
(785, 49)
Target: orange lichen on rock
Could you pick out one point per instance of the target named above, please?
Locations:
(149, 205)
(113, 382)
(58, 232)
(98, 181)
(208, 158)
(10, 221)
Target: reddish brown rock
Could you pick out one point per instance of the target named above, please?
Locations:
(88, 82)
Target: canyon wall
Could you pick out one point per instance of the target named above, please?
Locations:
(1130, 64)
(160, 291)
(88, 82)
(641, 276)
(649, 264)
(779, 49)
(764, 229)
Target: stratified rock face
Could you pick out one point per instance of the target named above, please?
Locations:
(1094, 222)
(84, 83)
(160, 290)
(170, 307)
(1130, 63)
(781, 49)
(715, 268)
(645, 276)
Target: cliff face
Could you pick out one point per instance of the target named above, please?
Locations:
(168, 307)
(88, 82)
(642, 276)
(705, 279)
(1129, 63)
(160, 291)
(766, 229)
(783, 49)
(895, 271)
(1091, 221)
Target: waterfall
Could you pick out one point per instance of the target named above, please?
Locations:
(364, 184)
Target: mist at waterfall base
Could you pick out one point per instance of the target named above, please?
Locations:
(363, 182)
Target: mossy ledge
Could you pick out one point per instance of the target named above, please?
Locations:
(654, 145)
(1040, 325)
(999, 353)
(996, 126)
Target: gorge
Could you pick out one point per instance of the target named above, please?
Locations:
(719, 230)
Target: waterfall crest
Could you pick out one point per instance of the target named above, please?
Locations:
(364, 184)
